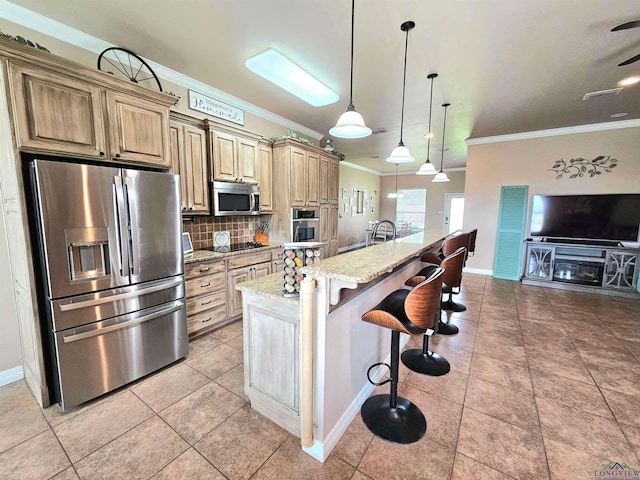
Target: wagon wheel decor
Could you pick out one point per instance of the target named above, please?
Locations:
(123, 63)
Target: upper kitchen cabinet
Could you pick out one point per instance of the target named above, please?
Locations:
(264, 169)
(234, 153)
(329, 179)
(105, 118)
(303, 164)
(189, 159)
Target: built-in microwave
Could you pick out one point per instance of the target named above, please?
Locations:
(232, 199)
(305, 225)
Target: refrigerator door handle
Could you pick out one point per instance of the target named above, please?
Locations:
(119, 326)
(120, 296)
(121, 225)
(135, 238)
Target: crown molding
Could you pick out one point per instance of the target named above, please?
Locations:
(553, 132)
(358, 167)
(34, 21)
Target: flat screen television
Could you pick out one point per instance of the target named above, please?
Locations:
(595, 217)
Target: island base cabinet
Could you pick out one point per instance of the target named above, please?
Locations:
(271, 360)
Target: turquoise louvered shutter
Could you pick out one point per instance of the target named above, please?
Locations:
(509, 241)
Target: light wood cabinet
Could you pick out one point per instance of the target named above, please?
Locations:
(234, 154)
(305, 168)
(324, 224)
(334, 180)
(206, 296)
(130, 129)
(264, 169)
(329, 179)
(329, 229)
(189, 159)
(240, 269)
(324, 180)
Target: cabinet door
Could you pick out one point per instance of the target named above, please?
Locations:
(138, 130)
(195, 153)
(325, 230)
(334, 180)
(224, 156)
(539, 262)
(246, 164)
(57, 113)
(178, 166)
(313, 177)
(334, 214)
(261, 270)
(298, 178)
(324, 180)
(620, 270)
(264, 169)
(234, 297)
(333, 248)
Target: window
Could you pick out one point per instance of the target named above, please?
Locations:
(412, 207)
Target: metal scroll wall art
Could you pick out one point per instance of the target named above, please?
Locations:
(582, 167)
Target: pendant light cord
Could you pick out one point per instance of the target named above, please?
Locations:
(353, 10)
(404, 83)
(429, 132)
(396, 180)
(444, 127)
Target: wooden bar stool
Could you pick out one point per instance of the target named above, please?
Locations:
(472, 242)
(388, 416)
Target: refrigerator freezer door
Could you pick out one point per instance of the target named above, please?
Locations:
(79, 227)
(156, 225)
(97, 358)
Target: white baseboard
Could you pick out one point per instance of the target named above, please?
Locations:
(321, 450)
(479, 271)
(11, 375)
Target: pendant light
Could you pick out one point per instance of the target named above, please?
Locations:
(396, 194)
(427, 168)
(441, 176)
(401, 154)
(351, 124)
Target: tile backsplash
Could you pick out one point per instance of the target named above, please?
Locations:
(201, 229)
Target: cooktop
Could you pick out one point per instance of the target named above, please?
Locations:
(234, 247)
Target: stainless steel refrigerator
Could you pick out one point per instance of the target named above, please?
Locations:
(112, 284)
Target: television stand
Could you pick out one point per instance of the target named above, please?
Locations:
(571, 264)
(577, 241)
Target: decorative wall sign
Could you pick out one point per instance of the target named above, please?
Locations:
(214, 107)
(580, 167)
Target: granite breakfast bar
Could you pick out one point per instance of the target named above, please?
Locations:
(306, 358)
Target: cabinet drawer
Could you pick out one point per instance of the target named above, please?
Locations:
(205, 284)
(206, 319)
(193, 270)
(276, 254)
(246, 260)
(205, 302)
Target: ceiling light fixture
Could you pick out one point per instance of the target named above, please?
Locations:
(278, 69)
(619, 114)
(401, 154)
(396, 194)
(441, 176)
(627, 82)
(351, 124)
(427, 167)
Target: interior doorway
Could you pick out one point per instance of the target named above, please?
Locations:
(453, 212)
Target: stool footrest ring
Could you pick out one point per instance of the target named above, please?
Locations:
(377, 384)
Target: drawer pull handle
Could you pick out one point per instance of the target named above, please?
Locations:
(205, 269)
(207, 320)
(206, 303)
(208, 284)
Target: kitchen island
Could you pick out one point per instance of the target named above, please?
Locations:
(306, 358)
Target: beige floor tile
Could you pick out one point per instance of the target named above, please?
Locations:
(465, 468)
(68, 474)
(460, 360)
(572, 368)
(451, 386)
(291, 459)
(234, 380)
(201, 411)
(388, 461)
(633, 437)
(240, 446)
(237, 342)
(498, 335)
(443, 416)
(202, 345)
(459, 341)
(55, 416)
(569, 392)
(621, 377)
(229, 332)
(138, 454)
(503, 403)
(170, 386)
(40, 457)
(354, 442)
(503, 373)
(217, 361)
(87, 432)
(625, 408)
(514, 450)
(15, 395)
(358, 475)
(20, 421)
(568, 463)
(189, 466)
(582, 430)
(501, 351)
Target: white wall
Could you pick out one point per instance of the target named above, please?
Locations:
(527, 162)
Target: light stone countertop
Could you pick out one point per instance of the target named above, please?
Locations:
(202, 255)
(269, 286)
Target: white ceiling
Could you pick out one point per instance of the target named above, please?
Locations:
(506, 66)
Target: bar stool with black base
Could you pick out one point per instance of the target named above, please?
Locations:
(388, 416)
(472, 242)
(421, 360)
(448, 247)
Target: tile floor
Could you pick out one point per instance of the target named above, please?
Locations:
(544, 384)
